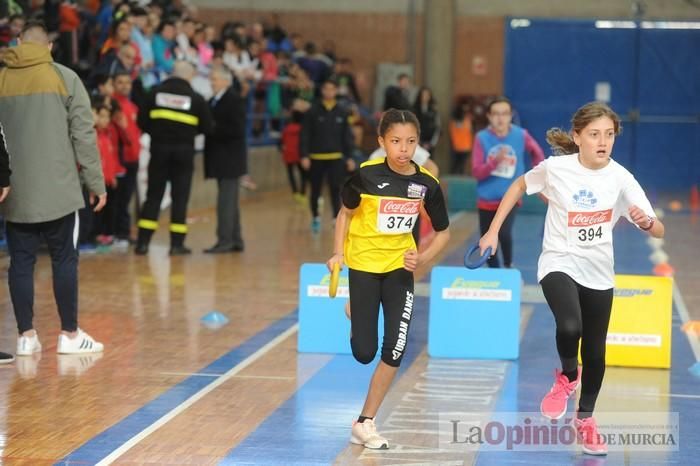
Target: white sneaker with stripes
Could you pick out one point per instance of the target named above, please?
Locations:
(83, 343)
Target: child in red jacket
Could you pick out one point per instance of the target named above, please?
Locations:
(289, 145)
(111, 168)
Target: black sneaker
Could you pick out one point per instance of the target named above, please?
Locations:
(141, 249)
(6, 358)
(180, 251)
(218, 249)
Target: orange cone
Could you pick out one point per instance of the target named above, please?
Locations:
(664, 270)
(692, 326)
(694, 198)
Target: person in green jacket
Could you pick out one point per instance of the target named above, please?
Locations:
(45, 111)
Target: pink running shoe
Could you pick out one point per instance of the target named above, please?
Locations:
(553, 404)
(592, 442)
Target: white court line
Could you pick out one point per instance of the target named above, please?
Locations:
(685, 317)
(109, 459)
(192, 374)
(673, 395)
(266, 377)
(209, 374)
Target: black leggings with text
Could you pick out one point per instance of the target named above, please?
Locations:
(394, 291)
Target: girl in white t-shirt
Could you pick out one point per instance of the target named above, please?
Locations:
(588, 192)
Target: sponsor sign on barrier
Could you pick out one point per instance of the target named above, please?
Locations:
(474, 313)
(639, 334)
(323, 326)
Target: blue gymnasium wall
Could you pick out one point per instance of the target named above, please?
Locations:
(552, 67)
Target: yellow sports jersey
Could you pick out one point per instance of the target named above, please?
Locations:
(387, 205)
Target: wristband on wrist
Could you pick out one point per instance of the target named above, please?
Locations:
(651, 224)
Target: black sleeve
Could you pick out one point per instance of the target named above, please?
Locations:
(4, 161)
(351, 191)
(206, 122)
(388, 98)
(348, 138)
(305, 136)
(238, 117)
(436, 208)
(144, 116)
(353, 90)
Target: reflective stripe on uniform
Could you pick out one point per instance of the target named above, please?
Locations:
(327, 156)
(178, 228)
(172, 115)
(148, 224)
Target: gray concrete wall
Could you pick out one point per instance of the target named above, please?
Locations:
(439, 27)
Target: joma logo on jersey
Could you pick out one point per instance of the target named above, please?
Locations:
(585, 199)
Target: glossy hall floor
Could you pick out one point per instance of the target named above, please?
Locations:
(169, 390)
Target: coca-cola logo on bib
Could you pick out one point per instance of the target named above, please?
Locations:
(586, 219)
(392, 206)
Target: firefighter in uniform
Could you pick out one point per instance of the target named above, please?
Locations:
(173, 115)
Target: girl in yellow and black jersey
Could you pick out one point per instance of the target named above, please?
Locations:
(381, 204)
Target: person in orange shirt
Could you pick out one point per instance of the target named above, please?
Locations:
(461, 137)
(69, 22)
(120, 34)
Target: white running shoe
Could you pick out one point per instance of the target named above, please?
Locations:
(26, 346)
(365, 433)
(83, 343)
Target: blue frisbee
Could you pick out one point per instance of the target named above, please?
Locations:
(480, 261)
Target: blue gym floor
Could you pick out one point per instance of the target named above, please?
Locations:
(313, 425)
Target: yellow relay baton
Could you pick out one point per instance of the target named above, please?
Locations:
(335, 277)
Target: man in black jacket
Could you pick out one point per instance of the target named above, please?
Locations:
(4, 191)
(173, 115)
(226, 159)
(326, 145)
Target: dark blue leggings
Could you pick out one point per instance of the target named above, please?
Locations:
(23, 240)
